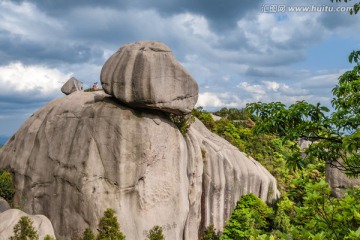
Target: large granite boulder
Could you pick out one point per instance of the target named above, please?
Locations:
(145, 74)
(11, 217)
(71, 85)
(4, 205)
(85, 152)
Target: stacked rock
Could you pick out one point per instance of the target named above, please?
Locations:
(145, 74)
(71, 85)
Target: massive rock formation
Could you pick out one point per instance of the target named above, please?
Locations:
(146, 74)
(86, 152)
(11, 217)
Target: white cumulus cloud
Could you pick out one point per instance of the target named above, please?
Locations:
(18, 78)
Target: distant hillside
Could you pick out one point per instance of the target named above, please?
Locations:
(3, 139)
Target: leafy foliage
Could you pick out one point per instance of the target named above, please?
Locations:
(48, 237)
(335, 137)
(155, 233)
(210, 233)
(326, 216)
(24, 230)
(88, 235)
(109, 228)
(236, 126)
(183, 122)
(250, 218)
(7, 189)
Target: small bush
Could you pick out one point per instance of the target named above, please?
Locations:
(155, 234)
(88, 235)
(7, 189)
(183, 122)
(210, 233)
(48, 237)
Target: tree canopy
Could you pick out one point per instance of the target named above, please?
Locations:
(335, 136)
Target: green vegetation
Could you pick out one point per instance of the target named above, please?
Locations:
(269, 132)
(251, 217)
(335, 137)
(183, 122)
(7, 189)
(48, 237)
(210, 233)
(24, 230)
(156, 233)
(109, 227)
(88, 235)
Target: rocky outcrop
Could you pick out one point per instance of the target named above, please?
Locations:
(4, 205)
(71, 85)
(145, 74)
(338, 181)
(86, 152)
(10, 218)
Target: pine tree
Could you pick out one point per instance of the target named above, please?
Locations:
(210, 233)
(88, 235)
(24, 230)
(155, 234)
(109, 228)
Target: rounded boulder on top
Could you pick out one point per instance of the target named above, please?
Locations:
(145, 74)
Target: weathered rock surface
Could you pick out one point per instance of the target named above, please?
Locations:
(145, 74)
(4, 205)
(11, 217)
(71, 85)
(339, 182)
(85, 152)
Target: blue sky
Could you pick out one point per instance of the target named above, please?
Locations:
(236, 52)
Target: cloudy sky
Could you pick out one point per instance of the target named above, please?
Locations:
(239, 51)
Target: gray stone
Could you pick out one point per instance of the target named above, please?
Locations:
(145, 74)
(71, 85)
(338, 181)
(11, 217)
(215, 117)
(4, 205)
(84, 153)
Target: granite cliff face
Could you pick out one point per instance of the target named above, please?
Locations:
(86, 152)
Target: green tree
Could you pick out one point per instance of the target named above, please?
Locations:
(88, 235)
(24, 230)
(325, 216)
(335, 137)
(156, 233)
(249, 219)
(210, 233)
(7, 190)
(109, 227)
(204, 117)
